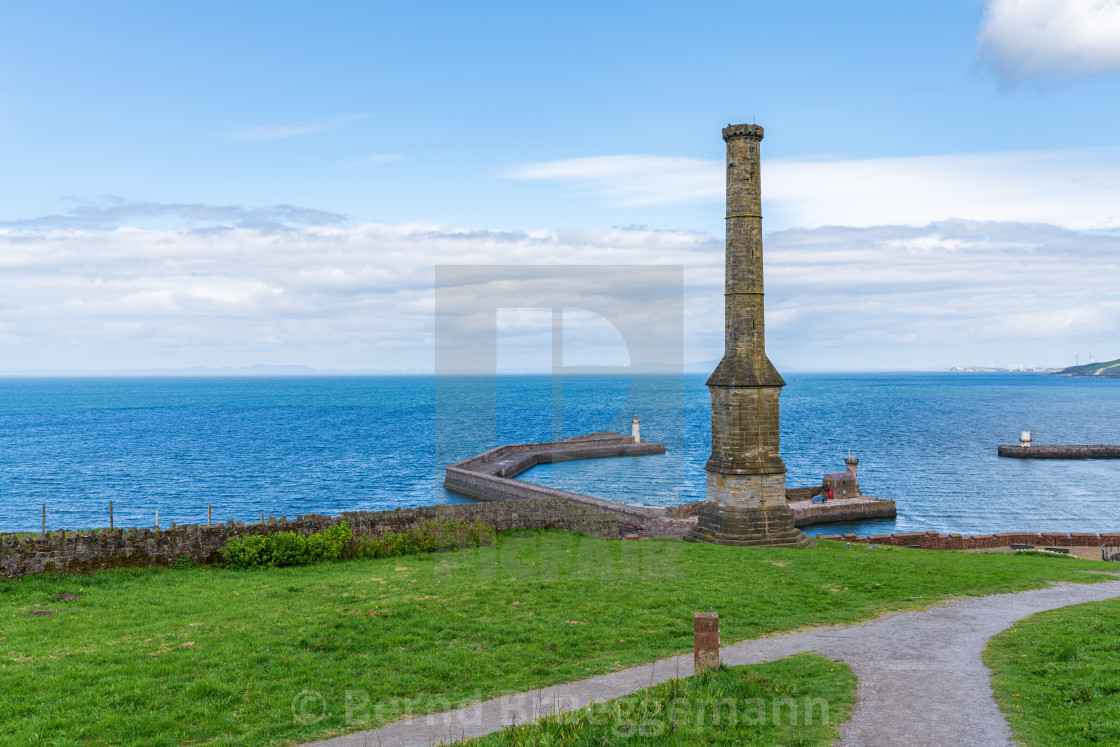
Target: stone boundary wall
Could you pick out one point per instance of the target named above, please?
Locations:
(821, 513)
(936, 541)
(138, 548)
(1089, 451)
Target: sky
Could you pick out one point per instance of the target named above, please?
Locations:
(229, 184)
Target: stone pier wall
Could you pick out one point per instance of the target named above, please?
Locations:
(936, 541)
(644, 520)
(489, 477)
(806, 513)
(137, 548)
(803, 494)
(1088, 451)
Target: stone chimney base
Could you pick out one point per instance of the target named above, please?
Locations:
(747, 526)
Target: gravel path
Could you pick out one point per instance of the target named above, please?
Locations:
(921, 681)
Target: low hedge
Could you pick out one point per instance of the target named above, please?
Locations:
(282, 549)
(430, 536)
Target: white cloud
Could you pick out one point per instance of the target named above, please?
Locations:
(633, 180)
(375, 159)
(358, 297)
(292, 129)
(383, 158)
(1076, 188)
(1043, 38)
(362, 297)
(950, 292)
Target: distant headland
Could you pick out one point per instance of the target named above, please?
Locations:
(1104, 370)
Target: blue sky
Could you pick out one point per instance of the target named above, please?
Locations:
(909, 149)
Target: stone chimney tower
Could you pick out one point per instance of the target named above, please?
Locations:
(746, 503)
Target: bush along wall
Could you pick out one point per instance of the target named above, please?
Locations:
(430, 536)
(282, 549)
(373, 534)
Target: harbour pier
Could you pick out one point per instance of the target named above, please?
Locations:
(490, 476)
(1088, 451)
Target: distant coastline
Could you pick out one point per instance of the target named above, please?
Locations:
(1015, 369)
(1104, 370)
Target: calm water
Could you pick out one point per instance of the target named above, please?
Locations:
(288, 446)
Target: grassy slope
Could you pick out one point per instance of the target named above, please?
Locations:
(164, 657)
(1106, 369)
(1055, 675)
(797, 701)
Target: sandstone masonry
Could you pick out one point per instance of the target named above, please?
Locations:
(746, 482)
(1086, 451)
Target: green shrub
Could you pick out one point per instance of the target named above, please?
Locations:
(288, 548)
(429, 536)
(251, 551)
(335, 543)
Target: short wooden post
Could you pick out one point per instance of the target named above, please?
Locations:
(157, 518)
(208, 515)
(44, 518)
(705, 651)
(262, 517)
(110, 514)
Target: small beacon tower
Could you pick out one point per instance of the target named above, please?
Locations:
(853, 466)
(746, 497)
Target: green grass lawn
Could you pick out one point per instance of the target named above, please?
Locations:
(797, 702)
(209, 655)
(1056, 675)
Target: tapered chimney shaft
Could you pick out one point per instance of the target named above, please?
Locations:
(745, 361)
(746, 502)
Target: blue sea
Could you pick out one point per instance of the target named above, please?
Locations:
(288, 446)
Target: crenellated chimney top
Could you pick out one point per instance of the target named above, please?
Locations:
(742, 130)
